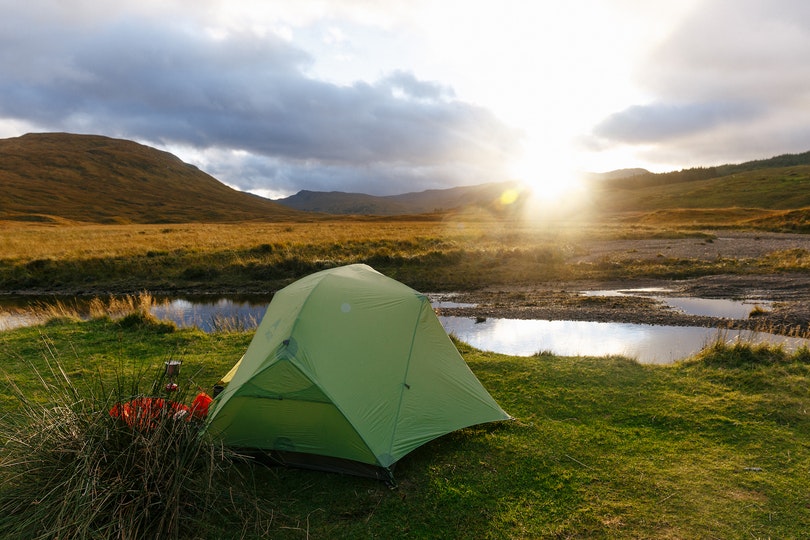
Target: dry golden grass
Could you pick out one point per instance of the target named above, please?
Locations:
(428, 255)
(25, 242)
(467, 252)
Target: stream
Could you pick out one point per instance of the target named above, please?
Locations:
(644, 343)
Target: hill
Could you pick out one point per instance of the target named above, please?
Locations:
(640, 178)
(340, 202)
(428, 201)
(775, 188)
(775, 184)
(90, 178)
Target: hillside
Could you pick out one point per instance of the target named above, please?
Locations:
(432, 200)
(774, 184)
(781, 188)
(89, 178)
(339, 202)
(640, 178)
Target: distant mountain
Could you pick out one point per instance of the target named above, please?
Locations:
(780, 182)
(339, 202)
(766, 188)
(89, 178)
(619, 173)
(429, 201)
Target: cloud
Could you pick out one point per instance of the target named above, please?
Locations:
(664, 121)
(409, 86)
(738, 50)
(183, 84)
(731, 78)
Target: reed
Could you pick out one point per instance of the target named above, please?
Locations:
(127, 309)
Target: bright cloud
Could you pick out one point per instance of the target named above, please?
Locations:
(729, 84)
(395, 96)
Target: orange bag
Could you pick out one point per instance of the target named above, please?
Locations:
(144, 412)
(199, 407)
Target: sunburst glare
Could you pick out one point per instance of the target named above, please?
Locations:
(552, 187)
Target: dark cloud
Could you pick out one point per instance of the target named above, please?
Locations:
(257, 173)
(662, 122)
(410, 86)
(732, 78)
(175, 84)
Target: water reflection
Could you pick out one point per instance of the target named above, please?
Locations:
(12, 320)
(211, 315)
(707, 307)
(648, 344)
(645, 343)
(715, 307)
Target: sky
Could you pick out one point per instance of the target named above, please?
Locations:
(390, 96)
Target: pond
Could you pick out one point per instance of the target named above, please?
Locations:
(645, 343)
(648, 344)
(721, 308)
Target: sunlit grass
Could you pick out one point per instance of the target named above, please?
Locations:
(40, 245)
(266, 256)
(427, 255)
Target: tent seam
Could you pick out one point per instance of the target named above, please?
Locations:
(307, 373)
(404, 386)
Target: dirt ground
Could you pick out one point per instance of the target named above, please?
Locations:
(790, 293)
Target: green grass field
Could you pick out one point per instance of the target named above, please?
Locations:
(715, 447)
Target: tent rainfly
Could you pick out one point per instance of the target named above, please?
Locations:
(349, 371)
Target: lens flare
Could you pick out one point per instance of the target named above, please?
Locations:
(510, 196)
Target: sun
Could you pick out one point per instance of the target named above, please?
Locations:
(552, 181)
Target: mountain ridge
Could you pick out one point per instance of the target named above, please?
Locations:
(420, 202)
(71, 178)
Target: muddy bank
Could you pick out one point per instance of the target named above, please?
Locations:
(789, 292)
(565, 301)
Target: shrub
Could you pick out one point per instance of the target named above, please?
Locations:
(70, 470)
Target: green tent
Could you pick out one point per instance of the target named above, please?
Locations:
(349, 371)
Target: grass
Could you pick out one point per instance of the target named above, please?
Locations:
(71, 470)
(262, 257)
(777, 188)
(714, 447)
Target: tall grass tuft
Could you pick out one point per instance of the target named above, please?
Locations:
(131, 310)
(740, 353)
(70, 470)
(233, 324)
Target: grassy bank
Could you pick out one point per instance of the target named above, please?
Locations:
(717, 447)
(261, 257)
